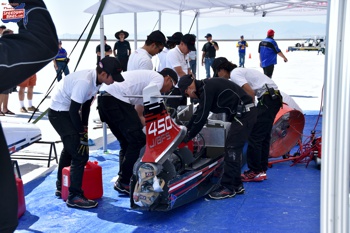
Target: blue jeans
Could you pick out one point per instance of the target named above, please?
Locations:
(61, 65)
(193, 66)
(241, 59)
(208, 62)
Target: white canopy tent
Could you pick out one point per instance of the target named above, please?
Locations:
(336, 112)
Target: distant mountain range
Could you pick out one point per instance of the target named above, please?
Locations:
(283, 30)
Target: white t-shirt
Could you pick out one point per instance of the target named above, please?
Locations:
(78, 86)
(135, 82)
(176, 58)
(161, 62)
(254, 78)
(140, 59)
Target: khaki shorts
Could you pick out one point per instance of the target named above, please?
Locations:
(29, 82)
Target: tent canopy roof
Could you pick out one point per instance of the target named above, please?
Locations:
(210, 8)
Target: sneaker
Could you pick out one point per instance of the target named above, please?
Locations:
(58, 193)
(240, 190)
(32, 109)
(79, 201)
(24, 110)
(122, 188)
(251, 176)
(221, 193)
(263, 174)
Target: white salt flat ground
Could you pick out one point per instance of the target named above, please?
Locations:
(302, 75)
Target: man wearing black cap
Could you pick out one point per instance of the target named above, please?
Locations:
(141, 59)
(125, 122)
(76, 91)
(218, 95)
(108, 50)
(123, 48)
(172, 41)
(177, 59)
(209, 53)
(268, 51)
(256, 84)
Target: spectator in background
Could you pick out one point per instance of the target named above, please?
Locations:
(209, 53)
(29, 84)
(172, 41)
(193, 62)
(108, 50)
(268, 50)
(141, 59)
(123, 48)
(61, 62)
(241, 45)
(2, 28)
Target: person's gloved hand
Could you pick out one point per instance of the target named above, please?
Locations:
(84, 145)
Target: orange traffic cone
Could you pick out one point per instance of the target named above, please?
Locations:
(250, 55)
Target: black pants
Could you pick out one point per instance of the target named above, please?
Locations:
(35, 45)
(126, 126)
(268, 70)
(123, 61)
(22, 55)
(236, 138)
(63, 125)
(259, 139)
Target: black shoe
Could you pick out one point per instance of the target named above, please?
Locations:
(122, 188)
(221, 193)
(240, 190)
(58, 193)
(79, 201)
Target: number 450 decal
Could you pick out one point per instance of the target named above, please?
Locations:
(159, 127)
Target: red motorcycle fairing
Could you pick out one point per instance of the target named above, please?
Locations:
(167, 176)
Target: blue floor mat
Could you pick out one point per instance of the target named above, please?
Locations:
(288, 201)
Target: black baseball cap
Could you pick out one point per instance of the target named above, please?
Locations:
(157, 36)
(112, 66)
(175, 38)
(190, 41)
(217, 63)
(3, 27)
(184, 82)
(171, 73)
(208, 35)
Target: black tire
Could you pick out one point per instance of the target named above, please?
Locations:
(297, 45)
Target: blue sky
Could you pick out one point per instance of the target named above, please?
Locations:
(69, 17)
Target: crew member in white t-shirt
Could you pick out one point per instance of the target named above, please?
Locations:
(256, 84)
(76, 91)
(124, 121)
(177, 59)
(172, 41)
(141, 58)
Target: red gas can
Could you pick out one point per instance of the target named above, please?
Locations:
(21, 200)
(92, 181)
